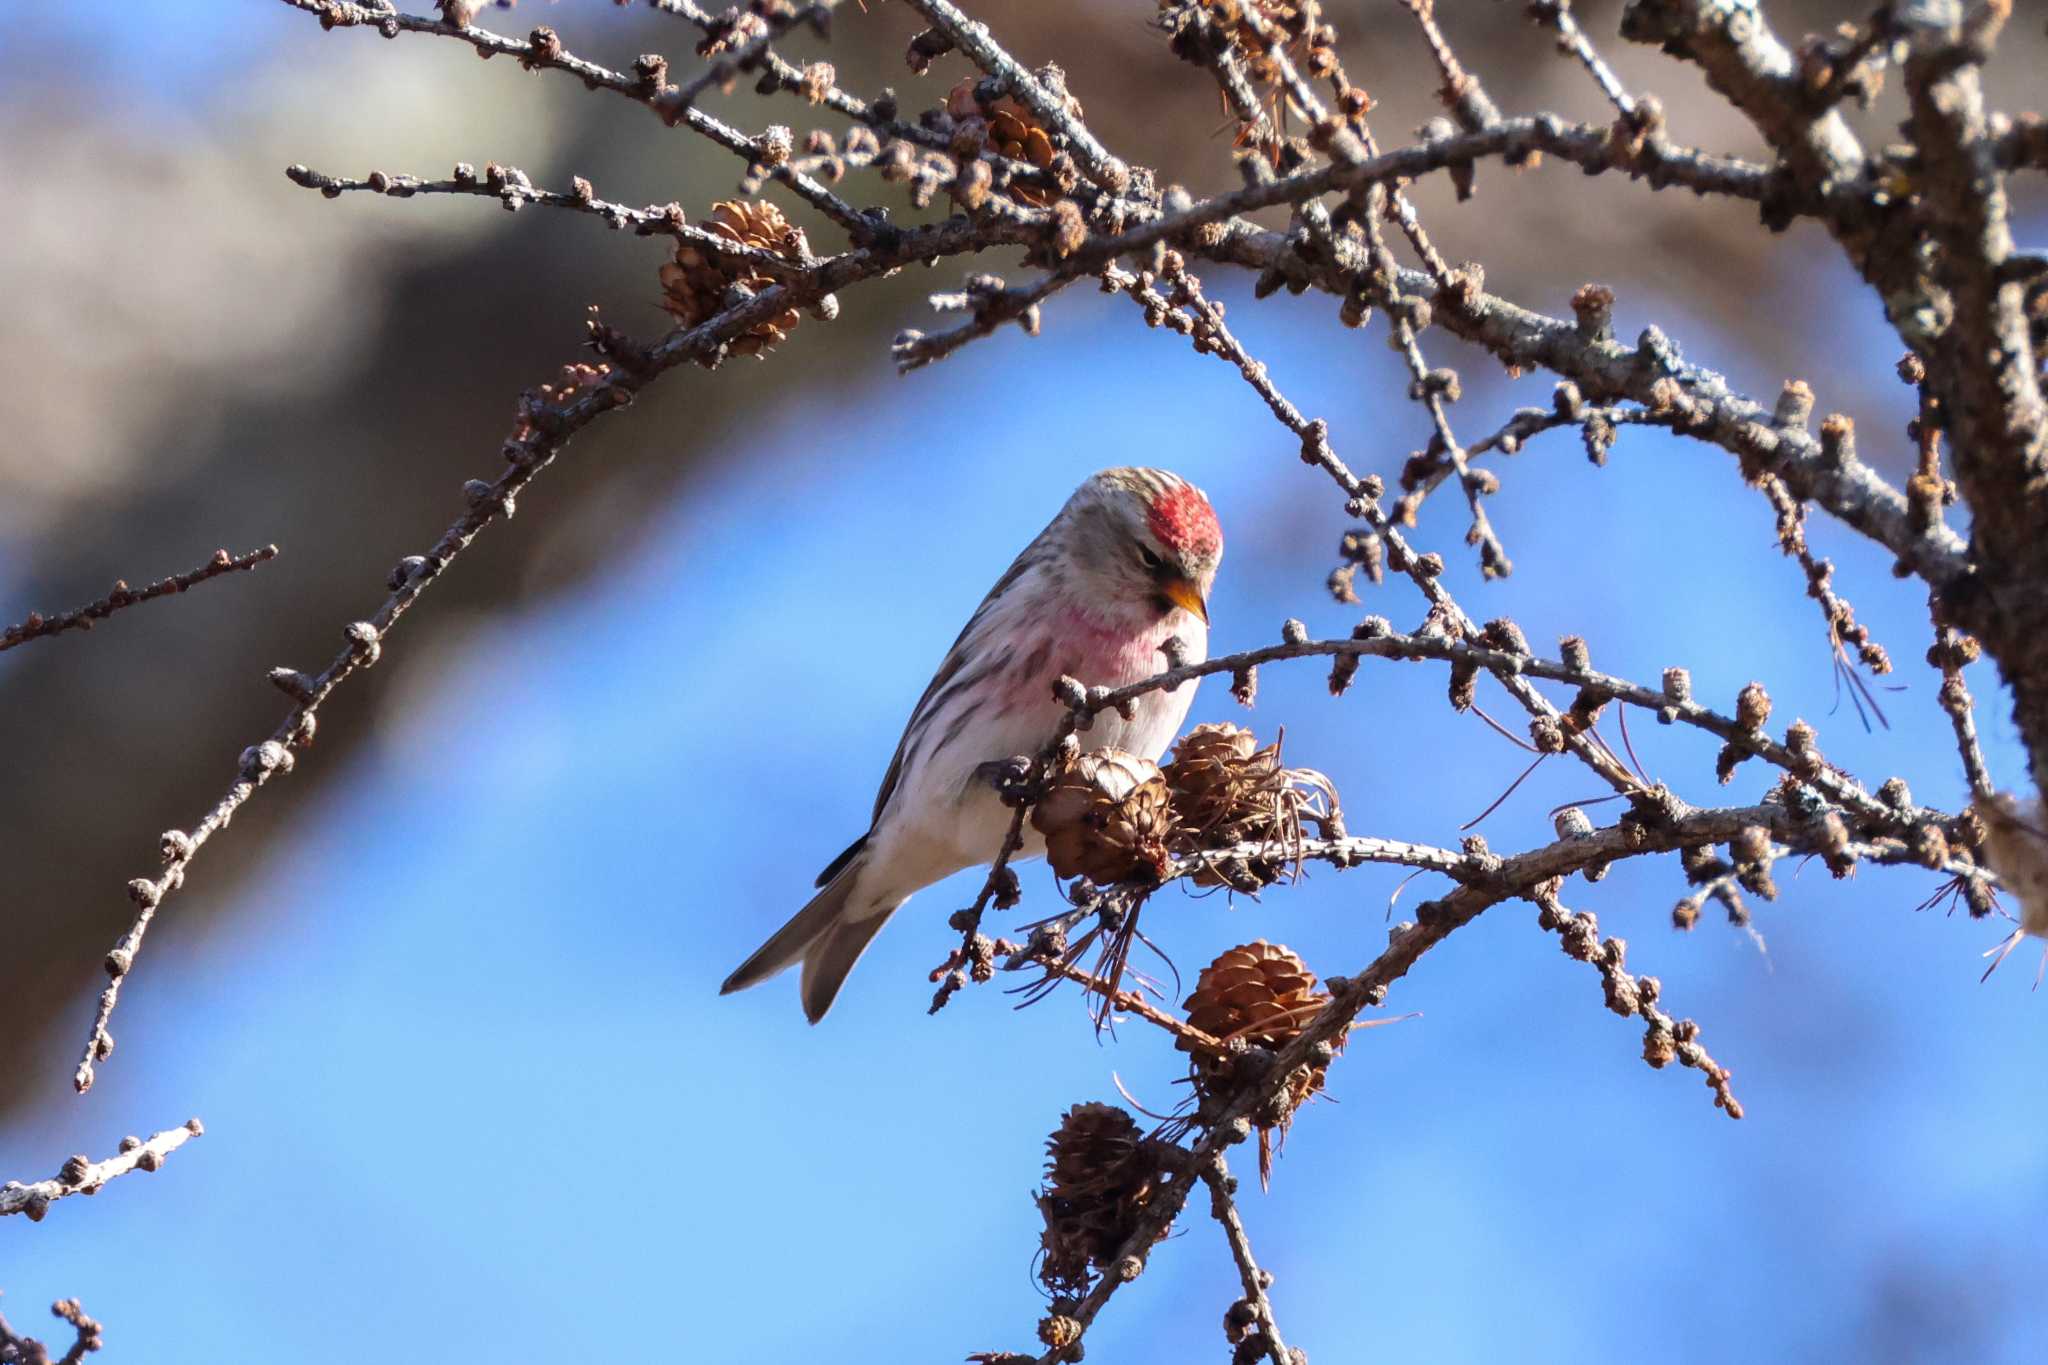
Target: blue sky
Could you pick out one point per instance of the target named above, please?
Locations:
(469, 1085)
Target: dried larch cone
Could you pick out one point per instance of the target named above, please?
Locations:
(1211, 765)
(1013, 131)
(1106, 816)
(1265, 995)
(694, 285)
(1100, 1173)
(1227, 791)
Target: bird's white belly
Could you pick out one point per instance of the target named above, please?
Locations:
(959, 820)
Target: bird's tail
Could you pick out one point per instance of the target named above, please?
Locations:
(828, 936)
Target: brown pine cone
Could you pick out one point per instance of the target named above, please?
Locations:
(1227, 790)
(1264, 994)
(694, 284)
(1107, 817)
(1100, 1173)
(1013, 131)
(1214, 769)
(1260, 992)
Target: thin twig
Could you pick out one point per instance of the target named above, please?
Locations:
(1222, 1185)
(1572, 41)
(544, 51)
(36, 625)
(83, 1176)
(510, 187)
(86, 1338)
(1129, 1002)
(1664, 1039)
(992, 306)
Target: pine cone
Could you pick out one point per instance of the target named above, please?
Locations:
(1227, 790)
(1264, 994)
(694, 284)
(1260, 992)
(1013, 131)
(1212, 767)
(1107, 817)
(1100, 1173)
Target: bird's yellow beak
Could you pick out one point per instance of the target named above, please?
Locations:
(1183, 593)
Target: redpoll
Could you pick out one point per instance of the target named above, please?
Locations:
(1125, 566)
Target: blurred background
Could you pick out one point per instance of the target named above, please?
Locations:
(446, 999)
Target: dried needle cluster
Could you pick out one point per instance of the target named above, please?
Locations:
(1003, 157)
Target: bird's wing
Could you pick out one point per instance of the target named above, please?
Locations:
(957, 672)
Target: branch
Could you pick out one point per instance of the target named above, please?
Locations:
(1572, 41)
(1984, 366)
(544, 429)
(992, 304)
(1671, 826)
(2023, 145)
(26, 1350)
(976, 953)
(83, 1176)
(1951, 652)
(1844, 630)
(648, 87)
(732, 60)
(1425, 472)
(36, 625)
(1215, 1173)
(1664, 1039)
(510, 187)
(1588, 146)
(1046, 105)
(1671, 702)
(1744, 60)
(1697, 401)
(1475, 111)
(1130, 1002)
(1654, 825)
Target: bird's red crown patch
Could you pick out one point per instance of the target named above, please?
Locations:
(1185, 523)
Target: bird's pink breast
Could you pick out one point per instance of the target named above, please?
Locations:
(1092, 651)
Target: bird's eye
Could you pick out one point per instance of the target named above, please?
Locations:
(1152, 561)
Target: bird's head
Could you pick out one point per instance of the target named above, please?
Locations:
(1146, 538)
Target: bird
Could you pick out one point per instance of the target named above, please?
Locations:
(1126, 565)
